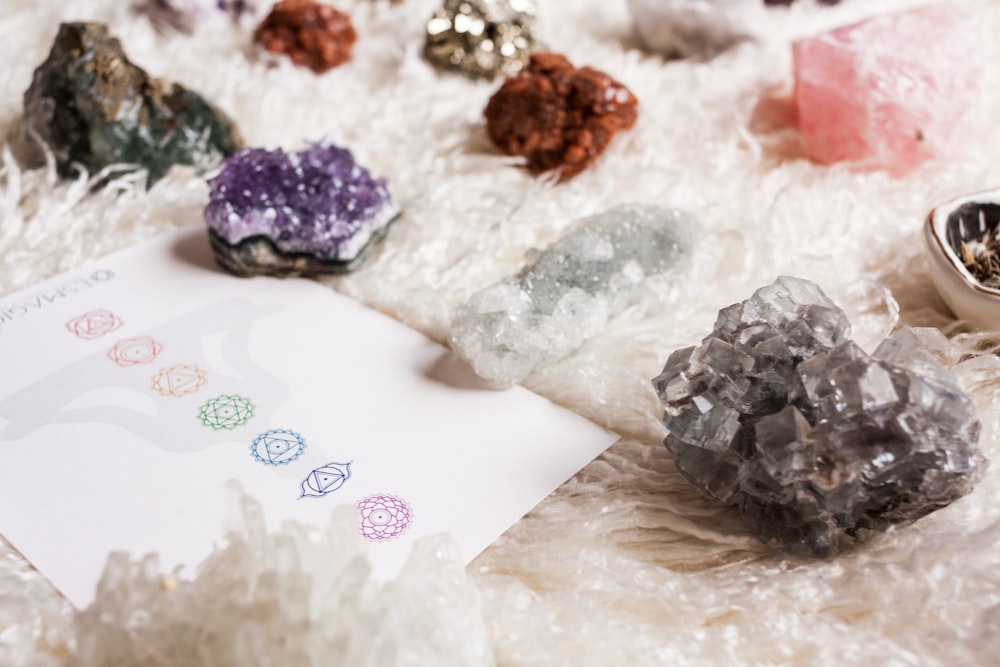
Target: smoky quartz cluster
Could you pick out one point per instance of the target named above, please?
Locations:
(816, 442)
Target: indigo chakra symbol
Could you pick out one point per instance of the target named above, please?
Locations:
(93, 324)
(326, 479)
(135, 351)
(226, 412)
(277, 447)
(178, 380)
(383, 517)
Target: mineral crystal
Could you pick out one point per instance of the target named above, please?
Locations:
(481, 38)
(889, 92)
(570, 290)
(557, 116)
(817, 443)
(93, 107)
(316, 211)
(700, 28)
(183, 15)
(312, 34)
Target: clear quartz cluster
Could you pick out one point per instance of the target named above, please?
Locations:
(280, 213)
(815, 441)
(481, 38)
(571, 289)
(303, 595)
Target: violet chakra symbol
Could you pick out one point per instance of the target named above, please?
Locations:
(325, 479)
(384, 517)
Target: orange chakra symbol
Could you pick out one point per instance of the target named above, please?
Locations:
(178, 380)
(93, 324)
(135, 351)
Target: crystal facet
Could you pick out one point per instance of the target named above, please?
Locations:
(815, 441)
(568, 293)
(312, 34)
(277, 213)
(558, 116)
(864, 94)
(93, 107)
(481, 38)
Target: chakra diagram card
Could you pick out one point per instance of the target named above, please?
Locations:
(132, 390)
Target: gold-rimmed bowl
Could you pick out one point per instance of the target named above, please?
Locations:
(962, 221)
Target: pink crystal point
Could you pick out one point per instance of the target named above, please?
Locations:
(891, 91)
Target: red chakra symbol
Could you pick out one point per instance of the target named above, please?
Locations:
(135, 351)
(178, 380)
(93, 324)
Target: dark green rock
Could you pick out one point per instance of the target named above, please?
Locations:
(94, 107)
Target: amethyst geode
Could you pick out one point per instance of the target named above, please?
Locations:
(286, 214)
(816, 442)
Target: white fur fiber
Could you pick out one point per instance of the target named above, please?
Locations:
(625, 564)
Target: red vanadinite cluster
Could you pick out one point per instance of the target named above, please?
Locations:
(558, 116)
(311, 33)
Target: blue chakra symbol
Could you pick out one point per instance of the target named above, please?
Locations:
(326, 479)
(277, 447)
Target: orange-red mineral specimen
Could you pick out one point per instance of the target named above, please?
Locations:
(312, 34)
(557, 116)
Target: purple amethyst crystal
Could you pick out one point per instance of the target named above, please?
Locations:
(277, 213)
(182, 15)
(817, 443)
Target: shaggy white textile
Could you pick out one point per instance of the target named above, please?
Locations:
(625, 564)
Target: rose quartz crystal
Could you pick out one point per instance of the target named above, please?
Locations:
(889, 92)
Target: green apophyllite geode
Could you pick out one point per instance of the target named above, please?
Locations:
(94, 107)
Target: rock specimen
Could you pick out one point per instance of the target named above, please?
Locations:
(557, 116)
(481, 38)
(316, 211)
(93, 107)
(568, 293)
(312, 34)
(816, 442)
(864, 93)
(183, 15)
(700, 28)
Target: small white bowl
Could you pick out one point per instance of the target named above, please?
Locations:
(948, 226)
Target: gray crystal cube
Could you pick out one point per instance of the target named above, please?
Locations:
(816, 442)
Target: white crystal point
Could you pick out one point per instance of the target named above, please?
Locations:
(570, 290)
(686, 28)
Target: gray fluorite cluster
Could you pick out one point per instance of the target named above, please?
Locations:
(570, 290)
(816, 442)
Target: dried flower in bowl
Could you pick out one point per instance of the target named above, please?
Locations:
(962, 241)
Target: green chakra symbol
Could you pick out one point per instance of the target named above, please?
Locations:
(226, 412)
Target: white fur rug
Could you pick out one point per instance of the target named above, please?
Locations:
(625, 564)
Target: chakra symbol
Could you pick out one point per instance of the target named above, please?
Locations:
(135, 351)
(277, 447)
(326, 479)
(383, 517)
(93, 324)
(178, 380)
(226, 412)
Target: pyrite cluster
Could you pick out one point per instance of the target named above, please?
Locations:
(815, 441)
(481, 38)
